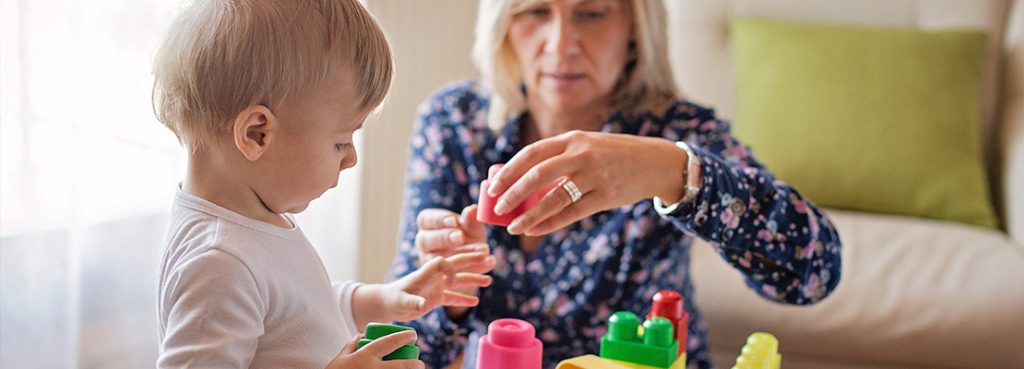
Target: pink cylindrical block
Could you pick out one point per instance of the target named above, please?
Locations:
(509, 344)
(485, 211)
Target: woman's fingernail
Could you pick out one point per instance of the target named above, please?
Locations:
(513, 228)
(492, 188)
(455, 236)
(449, 222)
(500, 208)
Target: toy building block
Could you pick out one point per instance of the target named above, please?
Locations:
(485, 211)
(590, 362)
(378, 330)
(509, 344)
(669, 305)
(623, 342)
(760, 352)
(595, 362)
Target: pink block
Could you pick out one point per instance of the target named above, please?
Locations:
(509, 344)
(485, 211)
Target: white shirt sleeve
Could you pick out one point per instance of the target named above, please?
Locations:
(214, 314)
(343, 290)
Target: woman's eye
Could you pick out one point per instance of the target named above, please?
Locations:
(537, 12)
(342, 146)
(592, 14)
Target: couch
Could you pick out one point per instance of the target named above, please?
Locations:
(914, 293)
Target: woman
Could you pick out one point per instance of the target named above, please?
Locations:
(582, 91)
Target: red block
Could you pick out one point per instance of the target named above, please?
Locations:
(669, 305)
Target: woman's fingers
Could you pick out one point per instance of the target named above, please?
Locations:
(436, 219)
(474, 230)
(541, 176)
(527, 158)
(568, 215)
(435, 240)
(553, 202)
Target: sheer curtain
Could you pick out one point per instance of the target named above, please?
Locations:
(86, 179)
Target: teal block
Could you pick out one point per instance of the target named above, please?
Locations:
(655, 347)
(378, 330)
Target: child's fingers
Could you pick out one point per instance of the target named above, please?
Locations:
(464, 249)
(452, 298)
(478, 263)
(470, 280)
(410, 302)
(351, 346)
(463, 261)
(436, 219)
(436, 266)
(385, 345)
(402, 364)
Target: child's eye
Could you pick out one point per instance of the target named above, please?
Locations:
(342, 146)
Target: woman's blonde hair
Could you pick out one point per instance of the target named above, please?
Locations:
(222, 56)
(647, 84)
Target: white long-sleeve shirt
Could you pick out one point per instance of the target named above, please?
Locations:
(239, 293)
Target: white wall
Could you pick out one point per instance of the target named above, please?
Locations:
(431, 43)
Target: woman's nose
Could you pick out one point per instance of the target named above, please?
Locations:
(561, 36)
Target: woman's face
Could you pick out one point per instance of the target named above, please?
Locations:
(571, 52)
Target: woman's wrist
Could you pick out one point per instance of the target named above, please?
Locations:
(671, 175)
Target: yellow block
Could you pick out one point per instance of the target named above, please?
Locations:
(596, 362)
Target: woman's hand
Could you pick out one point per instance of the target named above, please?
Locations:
(611, 170)
(443, 233)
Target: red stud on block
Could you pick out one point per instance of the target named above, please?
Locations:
(669, 305)
(485, 211)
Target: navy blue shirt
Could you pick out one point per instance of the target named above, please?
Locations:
(617, 259)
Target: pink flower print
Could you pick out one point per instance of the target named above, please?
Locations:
(808, 251)
(799, 205)
(765, 235)
(812, 288)
(730, 219)
(744, 261)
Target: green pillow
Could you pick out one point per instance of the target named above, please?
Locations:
(874, 119)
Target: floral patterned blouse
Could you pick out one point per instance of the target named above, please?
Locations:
(617, 259)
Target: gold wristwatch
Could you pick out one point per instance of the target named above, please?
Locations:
(691, 175)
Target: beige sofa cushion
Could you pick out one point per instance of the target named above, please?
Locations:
(913, 292)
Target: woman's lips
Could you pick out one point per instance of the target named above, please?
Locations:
(563, 80)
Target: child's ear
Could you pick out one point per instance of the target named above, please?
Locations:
(253, 130)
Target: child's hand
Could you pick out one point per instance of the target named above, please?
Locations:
(435, 284)
(370, 356)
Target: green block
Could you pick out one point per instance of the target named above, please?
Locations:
(378, 330)
(623, 342)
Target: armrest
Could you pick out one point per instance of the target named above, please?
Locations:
(1013, 124)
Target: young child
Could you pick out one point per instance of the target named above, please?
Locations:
(266, 95)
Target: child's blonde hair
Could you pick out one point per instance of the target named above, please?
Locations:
(648, 85)
(221, 56)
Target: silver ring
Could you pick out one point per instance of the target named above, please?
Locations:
(570, 187)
